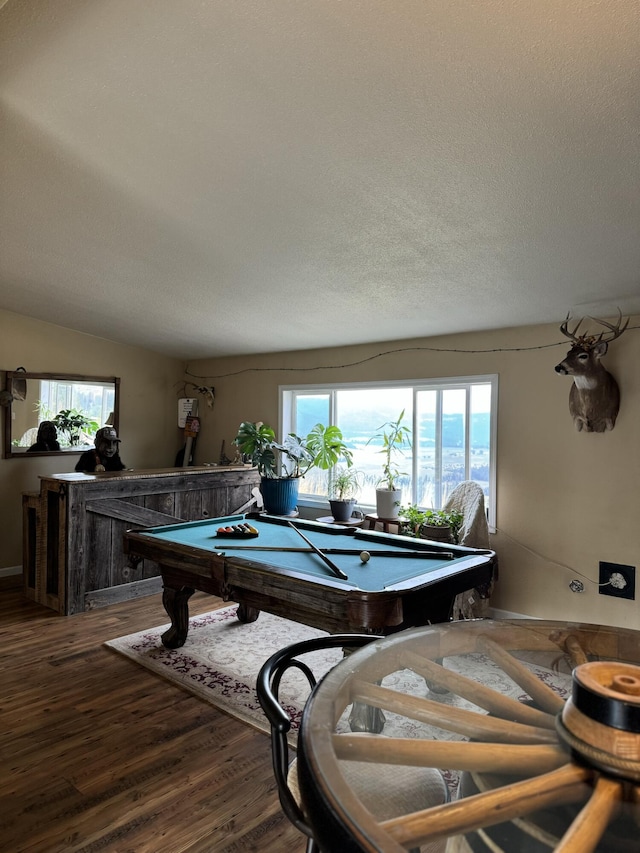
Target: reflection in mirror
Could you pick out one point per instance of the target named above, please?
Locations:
(56, 407)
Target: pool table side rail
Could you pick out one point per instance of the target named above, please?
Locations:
(143, 544)
(323, 602)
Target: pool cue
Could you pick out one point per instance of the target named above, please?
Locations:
(434, 555)
(337, 572)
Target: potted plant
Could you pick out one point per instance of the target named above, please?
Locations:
(437, 524)
(439, 519)
(394, 436)
(281, 464)
(72, 422)
(343, 490)
(412, 520)
(327, 447)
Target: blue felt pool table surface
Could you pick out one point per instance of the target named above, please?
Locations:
(379, 573)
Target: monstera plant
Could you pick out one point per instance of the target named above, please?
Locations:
(282, 464)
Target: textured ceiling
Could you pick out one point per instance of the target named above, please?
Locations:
(207, 177)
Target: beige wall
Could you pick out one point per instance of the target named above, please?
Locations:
(565, 499)
(148, 427)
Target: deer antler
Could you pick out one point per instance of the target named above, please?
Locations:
(615, 331)
(564, 328)
(587, 340)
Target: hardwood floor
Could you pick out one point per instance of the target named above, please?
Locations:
(98, 754)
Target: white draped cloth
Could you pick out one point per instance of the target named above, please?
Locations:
(468, 499)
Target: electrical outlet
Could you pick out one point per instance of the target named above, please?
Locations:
(617, 580)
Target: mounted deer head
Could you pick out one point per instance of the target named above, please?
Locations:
(594, 398)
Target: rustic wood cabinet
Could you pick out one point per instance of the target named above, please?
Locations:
(73, 528)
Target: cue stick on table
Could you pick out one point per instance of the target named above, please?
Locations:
(433, 555)
(337, 572)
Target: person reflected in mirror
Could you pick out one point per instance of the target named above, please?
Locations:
(46, 439)
(105, 457)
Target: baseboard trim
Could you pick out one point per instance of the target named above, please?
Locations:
(496, 613)
(10, 570)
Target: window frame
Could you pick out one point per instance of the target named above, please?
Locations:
(287, 395)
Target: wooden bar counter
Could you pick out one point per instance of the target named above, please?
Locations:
(73, 528)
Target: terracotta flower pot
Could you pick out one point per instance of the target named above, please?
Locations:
(437, 533)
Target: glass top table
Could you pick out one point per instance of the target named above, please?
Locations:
(535, 726)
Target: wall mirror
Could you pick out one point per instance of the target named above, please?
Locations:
(76, 405)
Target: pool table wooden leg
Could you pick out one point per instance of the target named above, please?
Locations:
(363, 717)
(246, 614)
(176, 603)
(366, 718)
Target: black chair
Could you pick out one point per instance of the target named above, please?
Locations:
(422, 786)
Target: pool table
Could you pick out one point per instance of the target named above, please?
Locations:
(380, 596)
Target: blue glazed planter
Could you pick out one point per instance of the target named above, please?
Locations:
(280, 496)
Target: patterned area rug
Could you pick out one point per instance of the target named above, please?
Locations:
(222, 657)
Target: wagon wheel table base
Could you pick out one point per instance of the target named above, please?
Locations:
(538, 721)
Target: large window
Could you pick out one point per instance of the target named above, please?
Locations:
(452, 424)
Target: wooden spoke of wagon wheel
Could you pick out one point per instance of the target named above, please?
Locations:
(469, 723)
(515, 759)
(588, 827)
(559, 787)
(479, 694)
(541, 694)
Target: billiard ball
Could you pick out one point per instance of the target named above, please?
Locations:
(365, 556)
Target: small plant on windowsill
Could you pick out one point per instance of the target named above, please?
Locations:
(436, 524)
(412, 520)
(345, 484)
(344, 487)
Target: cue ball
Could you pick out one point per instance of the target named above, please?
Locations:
(365, 556)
